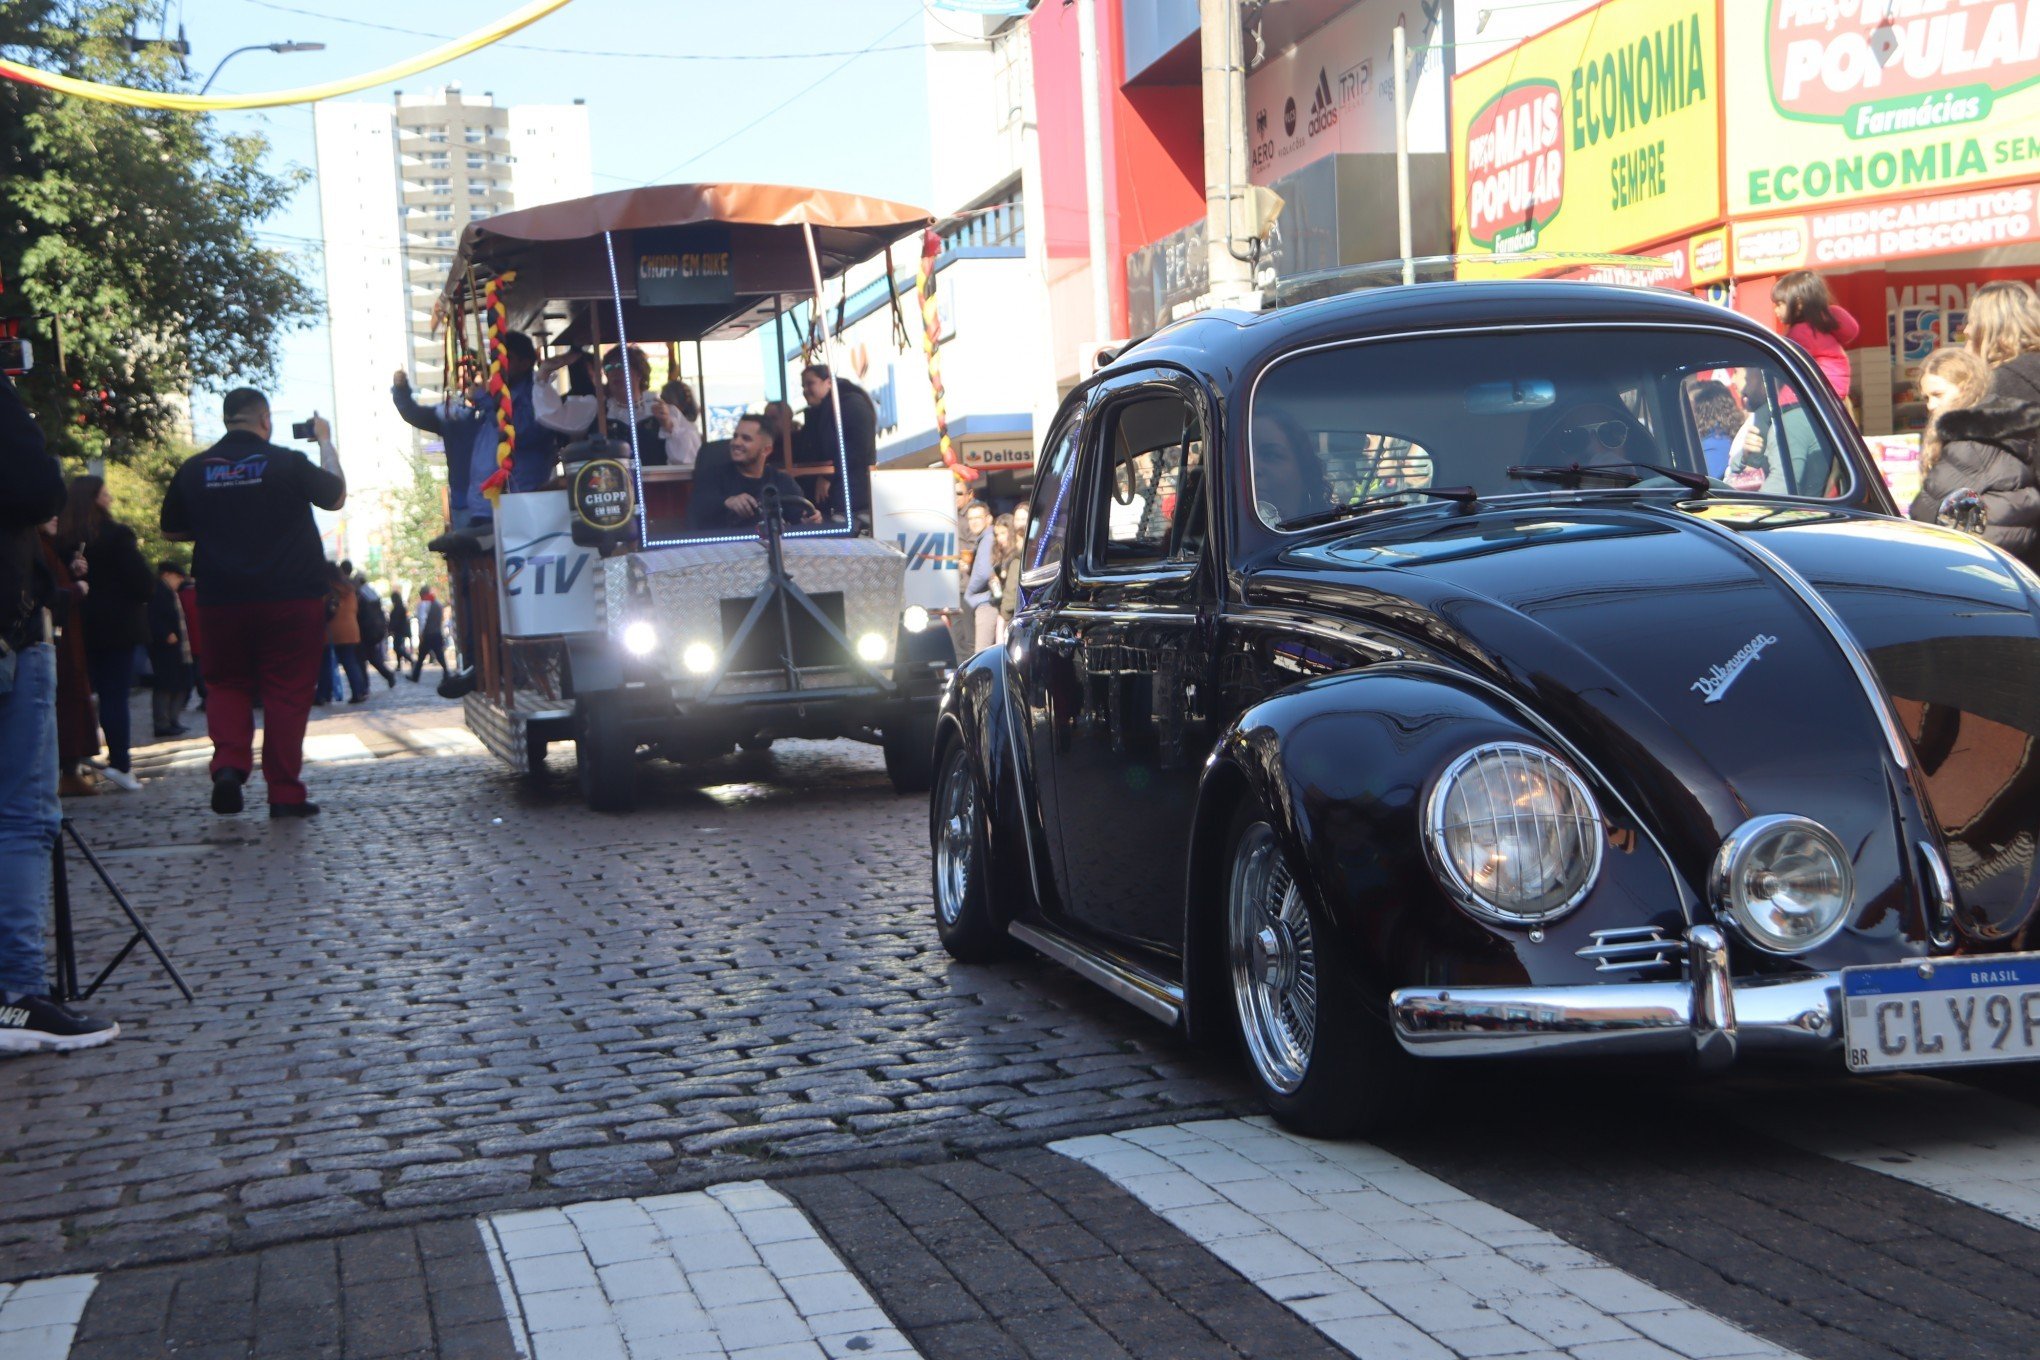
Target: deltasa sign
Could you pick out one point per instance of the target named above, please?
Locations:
(1859, 99)
(1600, 134)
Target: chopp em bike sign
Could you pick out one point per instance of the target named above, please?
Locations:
(1879, 98)
(1599, 134)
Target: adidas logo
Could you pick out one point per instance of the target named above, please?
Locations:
(1324, 113)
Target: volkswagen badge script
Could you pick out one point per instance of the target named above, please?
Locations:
(1715, 683)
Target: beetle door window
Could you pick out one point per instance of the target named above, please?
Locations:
(1151, 464)
(1048, 524)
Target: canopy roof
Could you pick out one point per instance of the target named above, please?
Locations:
(563, 254)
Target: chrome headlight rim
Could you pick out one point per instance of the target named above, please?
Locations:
(1725, 881)
(1446, 871)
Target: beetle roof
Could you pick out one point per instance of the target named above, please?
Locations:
(1243, 341)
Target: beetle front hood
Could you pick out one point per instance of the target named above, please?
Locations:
(1950, 626)
(1686, 666)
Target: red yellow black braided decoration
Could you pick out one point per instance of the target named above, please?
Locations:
(499, 386)
(931, 344)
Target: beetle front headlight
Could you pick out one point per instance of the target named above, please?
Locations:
(1784, 882)
(1514, 833)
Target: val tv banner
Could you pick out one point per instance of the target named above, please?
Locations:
(1601, 134)
(1831, 101)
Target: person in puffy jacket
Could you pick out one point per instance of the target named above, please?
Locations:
(1976, 471)
(2004, 332)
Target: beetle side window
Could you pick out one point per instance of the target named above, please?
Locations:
(1152, 456)
(1048, 519)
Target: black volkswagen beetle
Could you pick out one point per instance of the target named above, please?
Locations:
(1487, 669)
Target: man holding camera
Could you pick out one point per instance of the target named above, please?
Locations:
(247, 505)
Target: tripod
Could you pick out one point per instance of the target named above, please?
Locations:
(67, 946)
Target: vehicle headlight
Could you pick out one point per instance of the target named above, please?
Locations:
(871, 647)
(1514, 833)
(639, 637)
(914, 619)
(1784, 882)
(698, 658)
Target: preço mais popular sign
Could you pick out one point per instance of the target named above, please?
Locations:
(1600, 134)
(1834, 100)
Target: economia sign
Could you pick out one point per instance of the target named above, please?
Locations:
(1598, 135)
(1870, 98)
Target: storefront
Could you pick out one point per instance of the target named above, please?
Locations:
(1896, 154)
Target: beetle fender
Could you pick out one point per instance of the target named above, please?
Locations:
(1343, 765)
(979, 711)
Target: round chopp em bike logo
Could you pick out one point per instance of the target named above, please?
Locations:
(1515, 167)
(1878, 67)
(601, 494)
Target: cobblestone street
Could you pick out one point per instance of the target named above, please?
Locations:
(454, 988)
(474, 1072)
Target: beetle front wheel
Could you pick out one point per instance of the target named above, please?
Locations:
(1325, 1068)
(961, 845)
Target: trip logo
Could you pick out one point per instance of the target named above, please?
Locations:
(1515, 167)
(1878, 67)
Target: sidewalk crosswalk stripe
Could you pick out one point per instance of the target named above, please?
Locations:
(736, 1271)
(39, 1318)
(1967, 1144)
(1388, 1261)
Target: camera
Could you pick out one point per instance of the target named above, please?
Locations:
(303, 430)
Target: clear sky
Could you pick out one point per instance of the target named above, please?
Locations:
(671, 101)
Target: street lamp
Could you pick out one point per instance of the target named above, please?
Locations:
(259, 47)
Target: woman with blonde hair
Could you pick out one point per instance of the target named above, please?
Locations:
(1973, 468)
(2004, 332)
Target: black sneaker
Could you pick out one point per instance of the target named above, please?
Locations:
(36, 1024)
(226, 791)
(278, 811)
(457, 684)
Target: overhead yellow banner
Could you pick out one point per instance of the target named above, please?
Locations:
(1829, 103)
(1602, 134)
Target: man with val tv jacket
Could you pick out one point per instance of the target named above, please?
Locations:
(247, 505)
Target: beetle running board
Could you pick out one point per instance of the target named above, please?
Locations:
(1162, 1000)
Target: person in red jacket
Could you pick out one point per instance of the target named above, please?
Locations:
(1812, 321)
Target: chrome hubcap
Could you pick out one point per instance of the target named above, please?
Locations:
(955, 835)
(1274, 961)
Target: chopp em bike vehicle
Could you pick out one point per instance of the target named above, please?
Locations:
(1401, 678)
(600, 611)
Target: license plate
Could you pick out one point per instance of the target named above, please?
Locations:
(1942, 1013)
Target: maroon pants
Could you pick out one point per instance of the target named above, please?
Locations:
(271, 649)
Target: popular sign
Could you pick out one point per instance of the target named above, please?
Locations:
(1880, 98)
(1515, 167)
(1599, 135)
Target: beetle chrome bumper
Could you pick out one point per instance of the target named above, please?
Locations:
(1710, 1014)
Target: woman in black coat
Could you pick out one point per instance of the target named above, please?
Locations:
(115, 611)
(1976, 456)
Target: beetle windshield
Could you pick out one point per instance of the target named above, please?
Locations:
(1516, 413)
